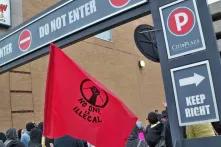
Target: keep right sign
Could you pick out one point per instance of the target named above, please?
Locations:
(182, 28)
(194, 94)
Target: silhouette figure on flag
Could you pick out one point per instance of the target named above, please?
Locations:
(93, 95)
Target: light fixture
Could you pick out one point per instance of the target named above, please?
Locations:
(142, 63)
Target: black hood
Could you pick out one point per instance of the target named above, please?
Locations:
(11, 134)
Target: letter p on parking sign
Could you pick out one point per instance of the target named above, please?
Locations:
(181, 21)
(182, 28)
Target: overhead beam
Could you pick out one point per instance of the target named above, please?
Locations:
(126, 15)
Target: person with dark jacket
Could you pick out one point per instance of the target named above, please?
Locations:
(134, 140)
(165, 121)
(35, 138)
(18, 144)
(19, 133)
(217, 127)
(168, 137)
(153, 130)
(2, 137)
(45, 142)
(12, 139)
(68, 141)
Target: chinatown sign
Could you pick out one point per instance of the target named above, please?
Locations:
(66, 19)
(5, 13)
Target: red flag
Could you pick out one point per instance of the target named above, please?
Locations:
(78, 105)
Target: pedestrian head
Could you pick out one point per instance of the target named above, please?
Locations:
(2, 137)
(164, 116)
(152, 118)
(30, 126)
(139, 124)
(11, 134)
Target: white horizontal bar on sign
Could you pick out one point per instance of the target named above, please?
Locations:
(215, 7)
(217, 26)
(219, 44)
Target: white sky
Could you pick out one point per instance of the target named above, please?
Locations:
(212, 1)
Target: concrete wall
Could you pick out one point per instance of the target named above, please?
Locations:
(114, 63)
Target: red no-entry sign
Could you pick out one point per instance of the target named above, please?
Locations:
(25, 40)
(119, 3)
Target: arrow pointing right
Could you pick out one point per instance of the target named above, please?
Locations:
(195, 79)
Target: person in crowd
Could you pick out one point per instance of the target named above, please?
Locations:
(40, 126)
(164, 116)
(1, 144)
(35, 138)
(25, 137)
(12, 139)
(136, 138)
(217, 127)
(154, 129)
(2, 137)
(19, 134)
(18, 144)
(45, 142)
(200, 131)
(68, 141)
(165, 121)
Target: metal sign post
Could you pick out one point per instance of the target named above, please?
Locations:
(190, 65)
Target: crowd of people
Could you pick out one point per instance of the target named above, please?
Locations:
(155, 134)
(32, 136)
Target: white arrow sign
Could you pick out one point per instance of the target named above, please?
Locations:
(196, 79)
